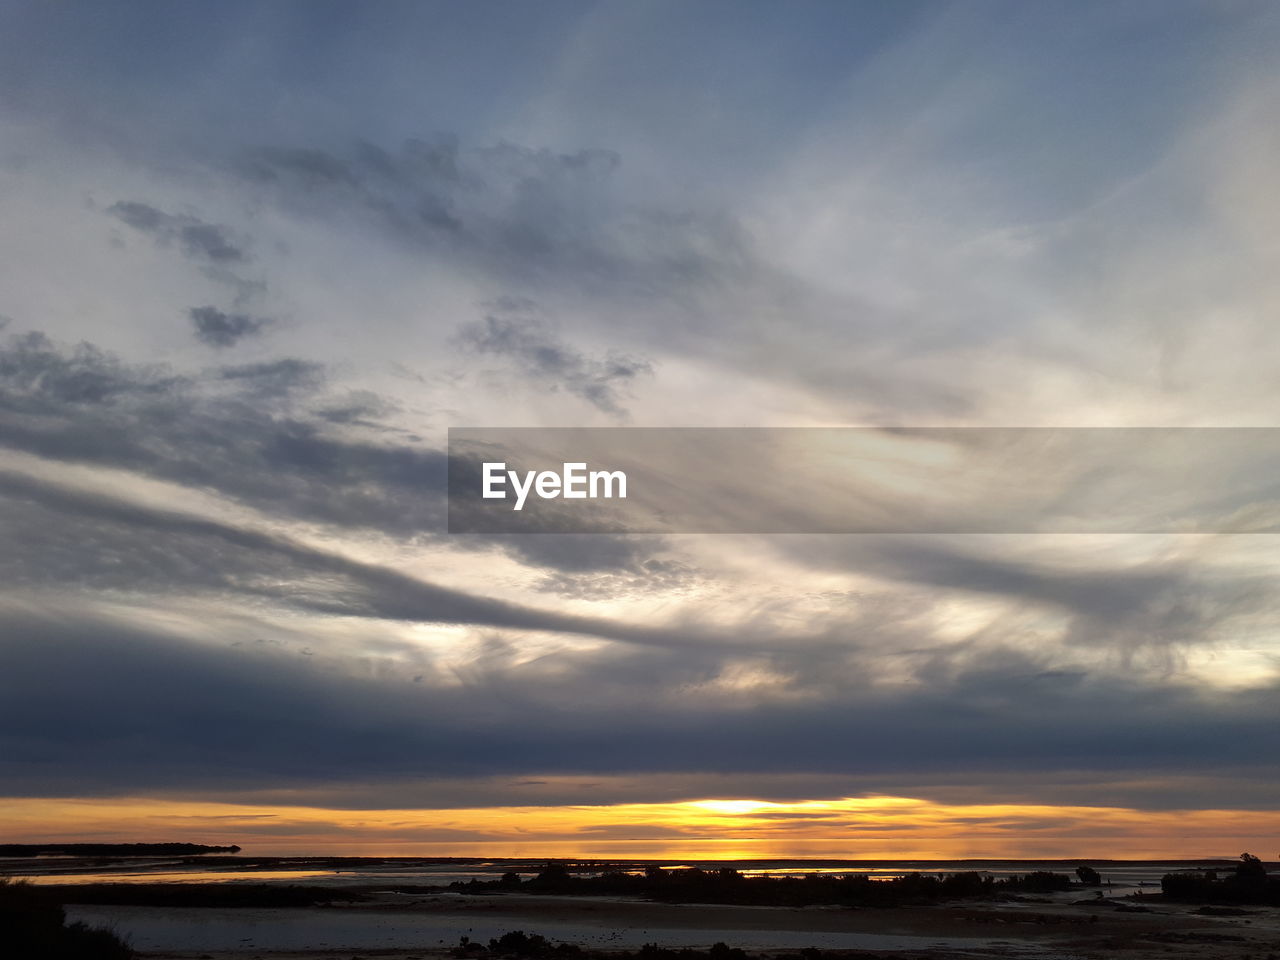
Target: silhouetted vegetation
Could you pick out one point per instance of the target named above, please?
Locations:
(727, 885)
(517, 943)
(110, 849)
(33, 924)
(1089, 876)
(1248, 883)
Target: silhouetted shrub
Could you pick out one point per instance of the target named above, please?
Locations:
(517, 943)
(1249, 883)
(1250, 869)
(1089, 876)
(554, 878)
(33, 924)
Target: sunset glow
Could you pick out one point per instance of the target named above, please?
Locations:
(863, 828)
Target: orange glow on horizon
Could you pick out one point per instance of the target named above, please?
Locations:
(877, 827)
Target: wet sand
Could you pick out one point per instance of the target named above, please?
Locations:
(398, 927)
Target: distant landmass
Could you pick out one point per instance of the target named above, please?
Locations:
(110, 849)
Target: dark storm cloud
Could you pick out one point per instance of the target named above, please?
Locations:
(514, 331)
(218, 329)
(197, 239)
(332, 726)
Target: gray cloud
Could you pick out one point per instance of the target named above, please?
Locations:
(333, 725)
(530, 216)
(197, 239)
(1153, 790)
(870, 232)
(568, 226)
(276, 378)
(218, 329)
(642, 705)
(250, 562)
(246, 431)
(579, 553)
(599, 566)
(268, 435)
(39, 378)
(359, 408)
(514, 331)
(1158, 608)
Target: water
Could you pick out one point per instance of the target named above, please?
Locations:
(1124, 876)
(262, 929)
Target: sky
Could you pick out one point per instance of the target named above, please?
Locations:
(257, 259)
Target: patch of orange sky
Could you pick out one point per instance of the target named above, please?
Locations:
(879, 827)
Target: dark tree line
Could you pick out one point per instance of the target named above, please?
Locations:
(1248, 883)
(727, 885)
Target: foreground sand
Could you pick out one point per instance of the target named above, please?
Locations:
(1046, 930)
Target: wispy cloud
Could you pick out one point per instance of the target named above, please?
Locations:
(512, 329)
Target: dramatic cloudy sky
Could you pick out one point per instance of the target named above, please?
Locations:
(255, 259)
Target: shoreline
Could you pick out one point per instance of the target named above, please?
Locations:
(398, 927)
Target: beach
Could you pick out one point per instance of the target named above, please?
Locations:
(430, 926)
(337, 908)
